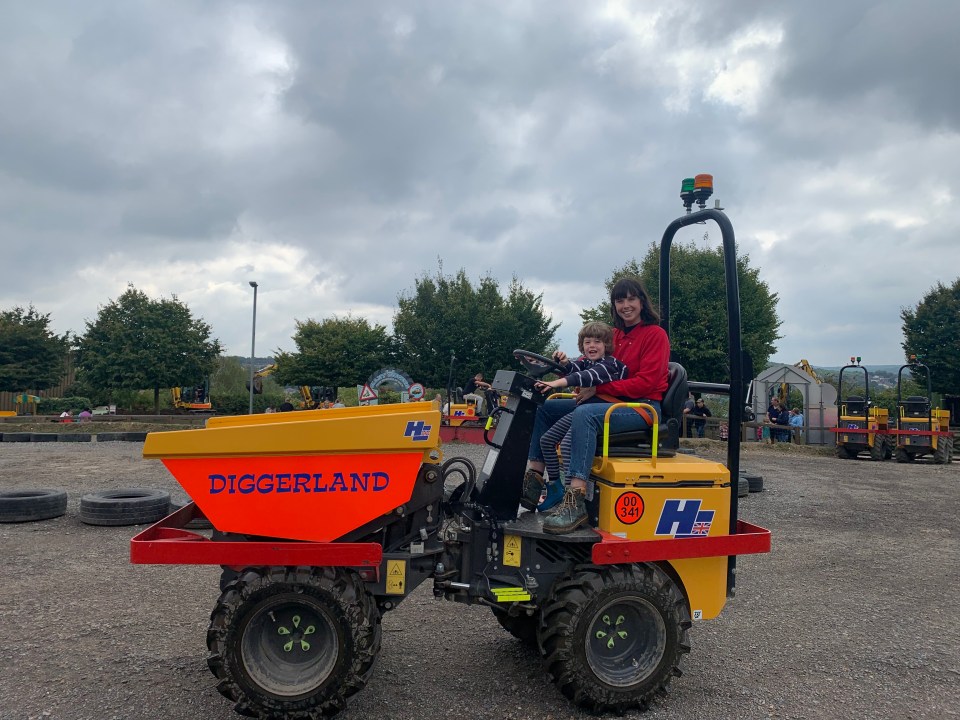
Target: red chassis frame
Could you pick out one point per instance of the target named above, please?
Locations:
(167, 543)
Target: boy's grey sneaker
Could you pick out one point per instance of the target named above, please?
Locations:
(533, 484)
(570, 514)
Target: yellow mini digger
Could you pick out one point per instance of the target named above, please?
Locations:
(326, 521)
(861, 427)
(921, 428)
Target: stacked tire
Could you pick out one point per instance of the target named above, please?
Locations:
(128, 506)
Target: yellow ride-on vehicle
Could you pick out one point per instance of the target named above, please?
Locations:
(921, 428)
(326, 521)
(460, 411)
(860, 426)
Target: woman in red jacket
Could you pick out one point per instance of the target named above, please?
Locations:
(642, 345)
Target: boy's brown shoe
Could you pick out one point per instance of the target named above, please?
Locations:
(533, 484)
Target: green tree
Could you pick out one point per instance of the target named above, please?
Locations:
(31, 356)
(335, 352)
(698, 308)
(137, 344)
(446, 315)
(931, 331)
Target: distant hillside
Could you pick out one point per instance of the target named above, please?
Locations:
(258, 362)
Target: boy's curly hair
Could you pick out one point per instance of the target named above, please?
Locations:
(599, 330)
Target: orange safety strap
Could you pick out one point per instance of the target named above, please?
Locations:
(644, 413)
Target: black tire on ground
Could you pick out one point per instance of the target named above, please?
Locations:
(293, 642)
(110, 436)
(903, 456)
(878, 450)
(30, 505)
(743, 486)
(16, 437)
(128, 506)
(523, 627)
(755, 482)
(73, 437)
(612, 637)
(888, 449)
(843, 453)
(43, 437)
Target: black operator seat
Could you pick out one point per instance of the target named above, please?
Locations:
(638, 443)
(856, 405)
(917, 406)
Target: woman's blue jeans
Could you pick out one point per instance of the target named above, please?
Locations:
(587, 424)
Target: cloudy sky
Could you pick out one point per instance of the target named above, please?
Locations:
(333, 152)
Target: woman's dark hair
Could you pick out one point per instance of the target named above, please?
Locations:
(625, 287)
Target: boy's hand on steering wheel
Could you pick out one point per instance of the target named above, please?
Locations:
(545, 385)
(561, 357)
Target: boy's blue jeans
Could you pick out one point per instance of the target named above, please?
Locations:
(587, 423)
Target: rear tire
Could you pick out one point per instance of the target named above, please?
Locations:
(293, 642)
(30, 505)
(612, 637)
(843, 453)
(878, 450)
(903, 456)
(941, 455)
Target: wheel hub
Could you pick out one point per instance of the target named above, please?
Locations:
(289, 647)
(626, 641)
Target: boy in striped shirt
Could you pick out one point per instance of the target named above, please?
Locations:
(595, 366)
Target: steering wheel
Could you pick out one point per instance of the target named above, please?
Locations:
(537, 365)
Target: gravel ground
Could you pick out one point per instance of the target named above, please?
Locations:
(852, 615)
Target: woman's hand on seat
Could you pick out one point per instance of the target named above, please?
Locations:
(585, 394)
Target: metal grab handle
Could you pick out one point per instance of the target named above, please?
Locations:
(655, 425)
(489, 426)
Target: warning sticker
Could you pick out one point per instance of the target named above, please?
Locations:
(396, 576)
(628, 508)
(511, 550)
(510, 594)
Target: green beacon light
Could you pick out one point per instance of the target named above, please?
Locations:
(686, 192)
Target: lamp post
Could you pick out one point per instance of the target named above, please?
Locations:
(253, 341)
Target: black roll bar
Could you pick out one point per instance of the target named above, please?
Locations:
(737, 390)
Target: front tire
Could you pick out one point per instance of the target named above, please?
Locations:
(843, 453)
(612, 637)
(293, 642)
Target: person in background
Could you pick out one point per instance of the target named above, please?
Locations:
(796, 425)
(85, 414)
(338, 403)
(700, 410)
(472, 390)
(774, 411)
(688, 407)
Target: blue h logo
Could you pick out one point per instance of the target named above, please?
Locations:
(684, 518)
(417, 430)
